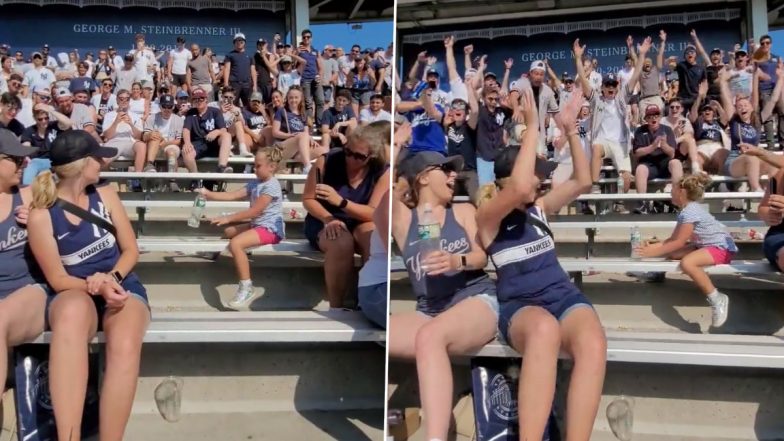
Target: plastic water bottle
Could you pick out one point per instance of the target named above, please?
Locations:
(198, 209)
(171, 164)
(429, 233)
(636, 241)
(619, 184)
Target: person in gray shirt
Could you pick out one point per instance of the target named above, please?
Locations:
(198, 73)
(329, 74)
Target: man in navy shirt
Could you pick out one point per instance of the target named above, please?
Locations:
(767, 81)
(311, 75)
(239, 71)
(83, 82)
(338, 122)
(205, 134)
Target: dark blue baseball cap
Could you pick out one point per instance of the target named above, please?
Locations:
(73, 145)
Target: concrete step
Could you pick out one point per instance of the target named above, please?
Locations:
(623, 303)
(264, 392)
(683, 403)
(188, 283)
(355, 425)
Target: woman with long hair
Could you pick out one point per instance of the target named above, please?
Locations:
(341, 191)
(292, 132)
(361, 80)
(89, 266)
(542, 312)
(745, 124)
(22, 287)
(457, 309)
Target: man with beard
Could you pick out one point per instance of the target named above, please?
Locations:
(79, 114)
(650, 79)
(655, 150)
(543, 95)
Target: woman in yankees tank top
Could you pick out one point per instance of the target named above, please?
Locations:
(542, 311)
(90, 271)
(22, 286)
(456, 303)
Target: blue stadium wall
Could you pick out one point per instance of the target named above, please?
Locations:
(27, 27)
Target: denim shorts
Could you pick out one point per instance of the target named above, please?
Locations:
(559, 300)
(132, 286)
(771, 246)
(373, 303)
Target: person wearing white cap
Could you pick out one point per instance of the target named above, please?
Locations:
(80, 115)
(239, 71)
(543, 96)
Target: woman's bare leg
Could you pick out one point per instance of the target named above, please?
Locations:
(74, 322)
(582, 336)
(338, 262)
(124, 330)
(21, 320)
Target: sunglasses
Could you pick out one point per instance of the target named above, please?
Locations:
(358, 156)
(167, 107)
(307, 37)
(107, 84)
(446, 168)
(675, 107)
(14, 83)
(198, 100)
(123, 98)
(17, 160)
(44, 98)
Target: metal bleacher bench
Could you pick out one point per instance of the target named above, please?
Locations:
(256, 327)
(748, 351)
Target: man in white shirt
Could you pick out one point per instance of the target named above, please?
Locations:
(39, 76)
(163, 130)
(117, 60)
(178, 64)
(625, 74)
(374, 112)
(123, 130)
(143, 59)
(49, 61)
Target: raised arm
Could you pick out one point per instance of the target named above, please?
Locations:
(467, 51)
(695, 108)
(700, 49)
(451, 64)
(508, 63)
(553, 76)
(644, 48)
(413, 74)
(630, 48)
(662, 45)
(585, 85)
(522, 181)
(767, 111)
(580, 182)
(473, 104)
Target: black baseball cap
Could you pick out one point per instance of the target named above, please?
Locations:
(11, 146)
(167, 101)
(491, 75)
(504, 163)
(73, 145)
(715, 51)
(433, 72)
(414, 164)
(610, 80)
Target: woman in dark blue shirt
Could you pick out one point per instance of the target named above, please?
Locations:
(291, 129)
(341, 192)
(541, 310)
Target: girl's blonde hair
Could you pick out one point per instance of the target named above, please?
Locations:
(273, 153)
(45, 187)
(694, 185)
(489, 191)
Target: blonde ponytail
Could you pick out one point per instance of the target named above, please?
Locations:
(273, 153)
(44, 190)
(486, 192)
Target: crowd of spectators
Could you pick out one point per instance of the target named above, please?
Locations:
(657, 118)
(188, 103)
